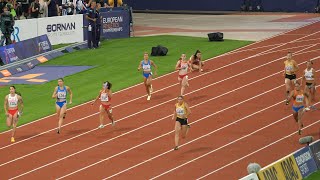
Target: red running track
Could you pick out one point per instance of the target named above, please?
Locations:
(238, 110)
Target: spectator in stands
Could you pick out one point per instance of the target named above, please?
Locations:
(19, 10)
(53, 8)
(80, 7)
(35, 9)
(3, 3)
(11, 5)
(43, 8)
(115, 3)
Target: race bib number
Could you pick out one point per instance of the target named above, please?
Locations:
(146, 67)
(289, 68)
(104, 97)
(299, 98)
(180, 111)
(12, 104)
(61, 95)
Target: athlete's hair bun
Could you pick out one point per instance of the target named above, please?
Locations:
(107, 85)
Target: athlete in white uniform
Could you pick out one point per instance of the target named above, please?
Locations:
(309, 78)
(183, 65)
(11, 108)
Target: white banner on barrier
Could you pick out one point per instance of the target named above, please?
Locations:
(252, 176)
(62, 29)
(25, 29)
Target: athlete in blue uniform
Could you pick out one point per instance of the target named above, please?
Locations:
(60, 93)
(147, 73)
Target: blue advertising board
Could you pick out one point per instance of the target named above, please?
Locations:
(115, 24)
(25, 49)
(315, 149)
(305, 161)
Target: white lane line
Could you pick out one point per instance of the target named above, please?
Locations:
(216, 97)
(254, 152)
(138, 128)
(172, 132)
(228, 144)
(297, 53)
(175, 72)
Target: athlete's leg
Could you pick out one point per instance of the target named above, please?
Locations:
(110, 116)
(101, 116)
(14, 125)
(184, 131)
(177, 134)
(300, 124)
(61, 114)
(288, 87)
(184, 84)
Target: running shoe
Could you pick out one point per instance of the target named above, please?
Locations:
(287, 102)
(176, 148)
(12, 139)
(101, 126)
(149, 97)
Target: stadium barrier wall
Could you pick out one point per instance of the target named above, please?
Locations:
(59, 29)
(295, 166)
(73, 28)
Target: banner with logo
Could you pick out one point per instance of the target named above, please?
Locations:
(315, 149)
(115, 24)
(286, 168)
(10, 54)
(305, 161)
(24, 29)
(25, 49)
(62, 29)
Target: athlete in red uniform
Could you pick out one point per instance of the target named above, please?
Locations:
(11, 108)
(105, 98)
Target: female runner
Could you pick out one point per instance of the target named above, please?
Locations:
(11, 108)
(147, 73)
(183, 66)
(309, 77)
(60, 94)
(290, 69)
(196, 63)
(181, 113)
(299, 97)
(105, 98)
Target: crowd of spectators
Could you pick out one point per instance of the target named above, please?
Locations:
(26, 9)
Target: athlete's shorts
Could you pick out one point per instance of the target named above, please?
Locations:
(146, 75)
(291, 77)
(106, 107)
(310, 85)
(60, 104)
(182, 121)
(13, 111)
(296, 109)
(182, 76)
